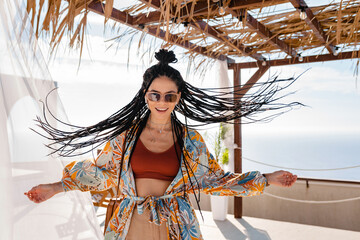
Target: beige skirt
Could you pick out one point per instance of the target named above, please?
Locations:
(141, 228)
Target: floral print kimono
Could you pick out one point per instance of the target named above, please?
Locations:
(174, 206)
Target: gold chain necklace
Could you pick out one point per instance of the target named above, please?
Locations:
(153, 139)
(163, 125)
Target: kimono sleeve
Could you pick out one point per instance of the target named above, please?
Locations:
(214, 180)
(98, 175)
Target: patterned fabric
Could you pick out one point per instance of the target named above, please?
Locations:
(173, 207)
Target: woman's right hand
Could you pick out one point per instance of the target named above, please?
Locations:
(43, 192)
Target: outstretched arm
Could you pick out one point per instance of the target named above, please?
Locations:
(213, 180)
(245, 184)
(84, 175)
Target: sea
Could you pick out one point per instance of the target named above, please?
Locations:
(324, 156)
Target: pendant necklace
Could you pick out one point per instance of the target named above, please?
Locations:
(153, 139)
(163, 125)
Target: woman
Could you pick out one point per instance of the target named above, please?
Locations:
(155, 160)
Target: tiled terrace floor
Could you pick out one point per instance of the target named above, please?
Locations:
(264, 229)
(249, 228)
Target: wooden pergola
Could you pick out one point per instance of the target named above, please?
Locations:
(245, 33)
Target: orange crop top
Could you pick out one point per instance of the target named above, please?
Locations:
(147, 164)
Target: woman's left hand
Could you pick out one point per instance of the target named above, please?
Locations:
(281, 178)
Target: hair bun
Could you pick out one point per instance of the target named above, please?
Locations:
(165, 57)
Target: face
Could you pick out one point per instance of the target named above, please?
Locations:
(162, 97)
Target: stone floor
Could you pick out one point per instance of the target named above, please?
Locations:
(249, 228)
(264, 229)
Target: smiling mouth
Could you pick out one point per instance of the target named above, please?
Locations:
(161, 109)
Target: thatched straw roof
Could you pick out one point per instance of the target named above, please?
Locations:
(287, 30)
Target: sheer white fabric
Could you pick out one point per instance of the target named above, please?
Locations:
(24, 80)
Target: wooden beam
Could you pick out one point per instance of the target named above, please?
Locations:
(199, 25)
(144, 18)
(155, 17)
(313, 23)
(210, 31)
(202, 8)
(221, 36)
(125, 18)
(241, 4)
(308, 59)
(238, 141)
(254, 78)
(263, 31)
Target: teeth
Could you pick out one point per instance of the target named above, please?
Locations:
(161, 109)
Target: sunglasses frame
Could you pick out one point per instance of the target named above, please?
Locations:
(162, 96)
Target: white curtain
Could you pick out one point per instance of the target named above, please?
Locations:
(24, 80)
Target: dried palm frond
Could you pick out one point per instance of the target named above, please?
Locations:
(221, 36)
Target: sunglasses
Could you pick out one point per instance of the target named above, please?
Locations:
(168, 97)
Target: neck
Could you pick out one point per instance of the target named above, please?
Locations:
(159, 125)
(159, 122)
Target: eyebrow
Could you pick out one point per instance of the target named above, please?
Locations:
(160, 92)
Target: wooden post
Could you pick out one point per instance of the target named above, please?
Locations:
(237, 141)
(237, 126)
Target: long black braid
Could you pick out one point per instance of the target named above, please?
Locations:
(204, 105)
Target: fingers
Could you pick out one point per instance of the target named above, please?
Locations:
(285, 178)
(36, 198)
(288, 179)
(30, 195)
(281, 178)
(34, 195)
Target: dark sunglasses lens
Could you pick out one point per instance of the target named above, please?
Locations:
(170, 97)
(155, 97)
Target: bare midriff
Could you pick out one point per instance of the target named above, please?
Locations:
(149, 186)
(145, 187)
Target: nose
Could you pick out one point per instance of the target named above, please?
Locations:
(162, 99)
